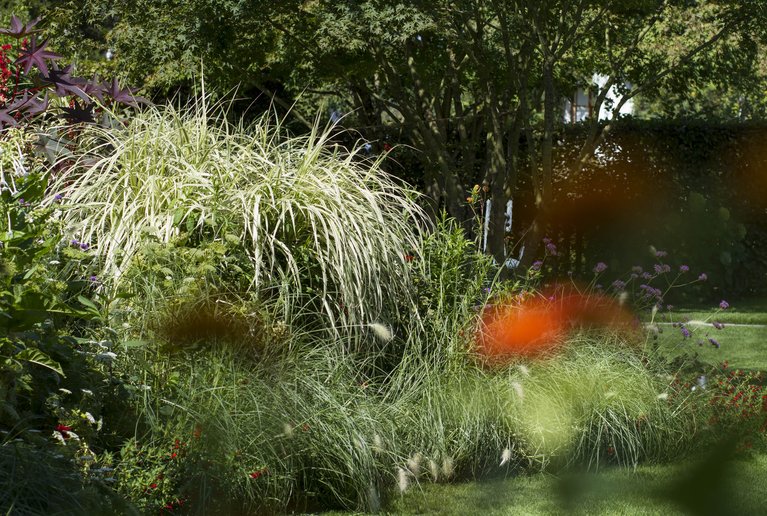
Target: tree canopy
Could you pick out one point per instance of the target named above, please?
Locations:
(475, 86)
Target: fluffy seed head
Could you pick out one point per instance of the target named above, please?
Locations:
(402, 480)
(414, 464)
(447, 467)
(505, 456)
(518, 390)
(434, 469)
(381, 331)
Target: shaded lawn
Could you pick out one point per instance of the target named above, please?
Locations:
(739, 487)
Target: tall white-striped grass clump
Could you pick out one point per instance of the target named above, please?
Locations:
(291, 201)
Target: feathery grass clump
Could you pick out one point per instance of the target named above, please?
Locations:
(295, 433)
(311, 216)
(598, 404)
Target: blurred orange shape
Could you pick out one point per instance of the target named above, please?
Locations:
(536, 326)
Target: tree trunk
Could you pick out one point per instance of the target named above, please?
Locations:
(543, 177)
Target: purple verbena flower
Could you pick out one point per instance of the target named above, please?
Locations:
(84, 246)
(646, 275)
(718, 325)
(685, 333)
(600, 267)
(58, 197)
(724, 305)
(619, 285)
(536, 266)
(94, 279)
(551, 249)
(661, 268)
(684, 268)
(714, 343)
(702, 277)
(661, 254)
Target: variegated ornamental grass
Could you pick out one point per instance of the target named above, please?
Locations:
(174, 169)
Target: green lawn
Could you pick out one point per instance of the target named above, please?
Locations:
(752, 311)
(737, 487)
(744, 347)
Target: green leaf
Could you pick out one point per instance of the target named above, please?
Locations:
(89, 304)
(35, 356)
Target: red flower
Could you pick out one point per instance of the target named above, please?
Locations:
(261, 472)
(409, 258)
(153, 485)
(64, 430)
(387, 147)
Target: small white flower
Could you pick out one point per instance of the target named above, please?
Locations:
(87, 392)
(59, 437)
(663, 396)
(90, 418)
(65, 391)
(402, 480)
(505, 456)
(73, 435)
(54, 262)
(381, 331)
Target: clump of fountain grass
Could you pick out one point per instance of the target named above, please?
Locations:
(597, 403)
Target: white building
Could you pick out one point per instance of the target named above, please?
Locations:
(580, 106)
